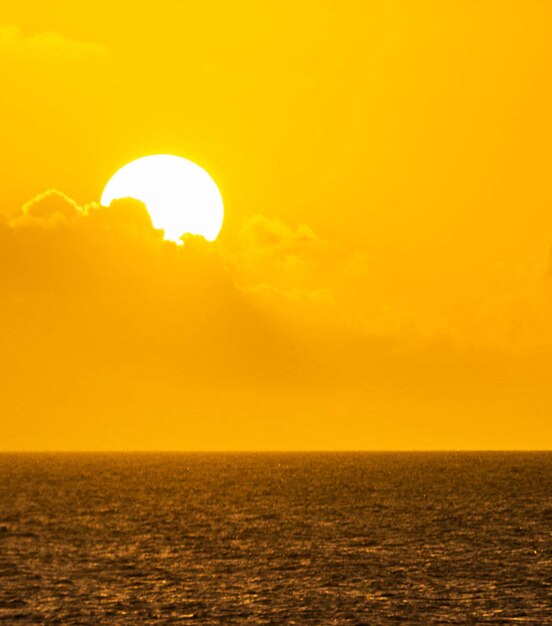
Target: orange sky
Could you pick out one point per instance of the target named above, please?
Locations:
(383, 278)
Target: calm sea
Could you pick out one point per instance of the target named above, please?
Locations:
(276, 538)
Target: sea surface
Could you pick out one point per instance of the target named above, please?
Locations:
(355, 538)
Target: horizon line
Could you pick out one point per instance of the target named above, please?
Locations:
(283, 451)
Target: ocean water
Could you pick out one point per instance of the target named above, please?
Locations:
(391, 538)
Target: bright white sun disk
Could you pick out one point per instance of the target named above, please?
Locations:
(179, 195)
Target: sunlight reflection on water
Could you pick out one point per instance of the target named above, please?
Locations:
(276, 538)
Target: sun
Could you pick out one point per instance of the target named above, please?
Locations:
(179, 195)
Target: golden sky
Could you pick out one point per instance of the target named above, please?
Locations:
(383, 278)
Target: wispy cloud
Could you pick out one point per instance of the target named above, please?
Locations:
(46, 47)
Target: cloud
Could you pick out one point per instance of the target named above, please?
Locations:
(287, 276)
(288, 259)
(47, 210)
(98, 281)
(264, 234)
(46, 46)
(111, 333)
(102, 280)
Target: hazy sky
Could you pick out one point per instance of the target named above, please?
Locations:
(383, 278)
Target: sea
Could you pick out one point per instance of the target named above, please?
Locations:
(276, 538)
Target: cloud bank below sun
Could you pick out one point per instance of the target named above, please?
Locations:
(117, 339)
